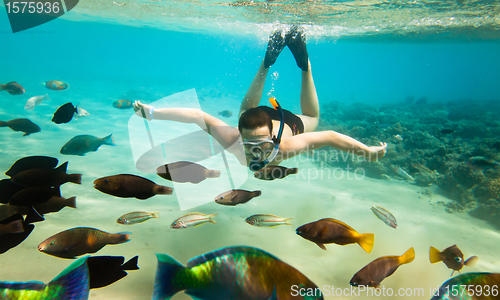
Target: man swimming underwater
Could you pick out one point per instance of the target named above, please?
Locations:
(270, 136)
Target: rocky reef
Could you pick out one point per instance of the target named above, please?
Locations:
(430, 142)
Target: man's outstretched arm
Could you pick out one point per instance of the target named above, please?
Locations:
(314, 140)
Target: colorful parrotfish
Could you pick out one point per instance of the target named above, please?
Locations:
(72, 283)
(483, 285)
(231, 273)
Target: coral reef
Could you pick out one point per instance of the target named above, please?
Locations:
(437, 139)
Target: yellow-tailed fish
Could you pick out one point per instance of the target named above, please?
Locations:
(72, 283)
(136, 217)
(192, 220)
(264, 220)
(385, 215)
(373, 273)
(242, 273)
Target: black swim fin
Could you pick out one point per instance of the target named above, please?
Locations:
(274, 47)
(295, 39)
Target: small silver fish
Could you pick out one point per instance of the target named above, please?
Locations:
(398, 170)
(136, 217)
(34, 101)
(264, 220)
(398, 137)
(192, 220)
(385, 215)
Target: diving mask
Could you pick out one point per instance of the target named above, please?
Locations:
(260, 158)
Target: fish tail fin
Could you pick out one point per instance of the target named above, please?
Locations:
(366, 241)
(210, 218)
(71, 202)
(286, 221)
(47, 97)
(75, 178)
(213, 174)
(120, 237)
(3, 87)
(256, 193)
(155, 215)
(74, 281)
(3, 124)
(131, 264)
(163, 190)
(292, 171)
(109, 140)
(434, 255)
(471, 261)
(408, 257)
(166, 273)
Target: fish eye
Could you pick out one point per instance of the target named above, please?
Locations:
(105, 180)
(458, 259)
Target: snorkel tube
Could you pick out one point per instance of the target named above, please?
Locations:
(256, 165)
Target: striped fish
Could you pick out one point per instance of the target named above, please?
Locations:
(192, 220)
(136, 217)
(263, 220)
(398, 170)
(385, 215)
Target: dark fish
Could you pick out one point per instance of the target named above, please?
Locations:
(326, 231)
(457, 288)
(185, 171)
(105, 270)
(34, 195)
(10, 241)
(242, 273)
(12, 225)
(123, 104)
(235, 197)
(447, 131)
(12, 88)
(497, 146)
(130, 186)
(72, 283)
(45, 177)
(7, 211)
(64, 113)
(81, 144)
(482, 163)
(56, 85)
(274, 172)
(32, 216)
(23, 125)
(8, 189)
(452, 257)
(376, 271)
(80, 240)
(32, 162)
(55, 204)
(225, 113)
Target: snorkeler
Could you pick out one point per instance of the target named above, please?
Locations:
(270, 135)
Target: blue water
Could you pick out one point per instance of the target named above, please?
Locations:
(166, 62)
